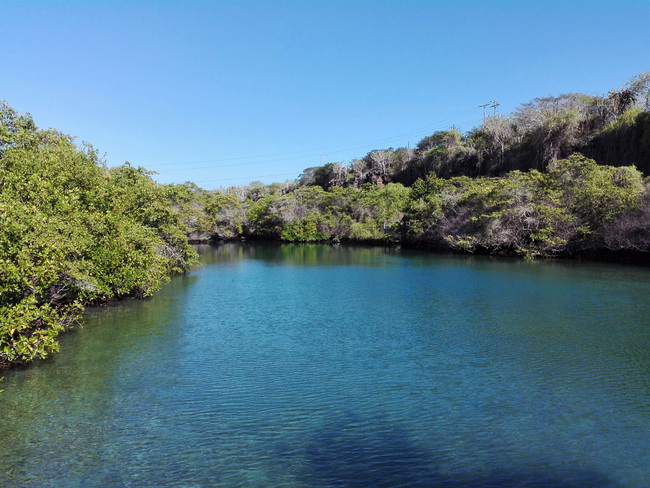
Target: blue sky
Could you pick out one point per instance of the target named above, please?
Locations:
(227, 92)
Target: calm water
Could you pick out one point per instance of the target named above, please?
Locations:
(325, 366)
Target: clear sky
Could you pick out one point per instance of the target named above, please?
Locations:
(227, 92)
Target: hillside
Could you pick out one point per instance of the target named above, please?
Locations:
(561, 176)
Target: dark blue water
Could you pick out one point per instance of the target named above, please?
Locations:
(317, 366)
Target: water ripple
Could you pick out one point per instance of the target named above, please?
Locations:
(372, 369)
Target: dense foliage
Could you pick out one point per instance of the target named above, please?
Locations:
(561, 176)
(576, 207)
(73, 232)
(612, 130)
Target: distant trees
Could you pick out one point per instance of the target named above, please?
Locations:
(330, 174)
(380, 161)
(312, 214)
(576, 206)
(640, 88)
(516, 184)
(533, 136)
(208, 215)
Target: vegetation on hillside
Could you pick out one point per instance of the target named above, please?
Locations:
(576, 207)
(613, 130)
(561, 176)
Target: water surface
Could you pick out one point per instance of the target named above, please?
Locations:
(315, 366)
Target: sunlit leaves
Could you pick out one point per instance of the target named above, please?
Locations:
(73, 232)
(569, 209)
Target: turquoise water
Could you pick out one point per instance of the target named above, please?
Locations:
(316, 366)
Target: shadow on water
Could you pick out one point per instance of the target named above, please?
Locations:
(345, 455)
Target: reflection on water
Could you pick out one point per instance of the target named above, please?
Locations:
(289, 254)
(313, 365)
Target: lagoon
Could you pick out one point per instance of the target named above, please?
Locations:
(317, 366)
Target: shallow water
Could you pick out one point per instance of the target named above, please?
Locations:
(288, 365)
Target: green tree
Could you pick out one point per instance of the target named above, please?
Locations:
(73, 232)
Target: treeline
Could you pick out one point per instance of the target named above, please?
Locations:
(613, 130)
(73, 232)
(576, 208)
(560, 176)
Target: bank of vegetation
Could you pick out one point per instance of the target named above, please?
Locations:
(561, 176)
(73, 232)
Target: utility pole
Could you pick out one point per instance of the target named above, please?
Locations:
(483, 107)
(494, 105)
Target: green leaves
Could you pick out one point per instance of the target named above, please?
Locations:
(74, 232)
(597, 194)
(311, 214)
(571, 208)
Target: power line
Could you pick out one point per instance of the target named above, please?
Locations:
(254, 177)
(313, 156)
(307, 154)
(249, 178)
(322, 150)
(322, 159)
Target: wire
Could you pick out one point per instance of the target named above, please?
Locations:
(308, 154)
(249, 178)
(316, 152)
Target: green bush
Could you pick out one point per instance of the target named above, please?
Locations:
(74, 232)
